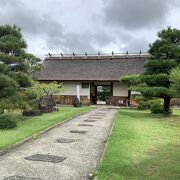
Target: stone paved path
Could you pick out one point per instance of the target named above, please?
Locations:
(72, 157)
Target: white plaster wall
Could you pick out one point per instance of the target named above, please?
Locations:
(120, 89)
(70, 89)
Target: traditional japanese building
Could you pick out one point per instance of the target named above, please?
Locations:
(87, 72)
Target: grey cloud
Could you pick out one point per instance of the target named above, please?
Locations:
(106, 24)
(69, 43)
(101, 38)
(46, 27)
(80, 43)
(30, 22)
(136, 14)
(5, 2)
(136, 44)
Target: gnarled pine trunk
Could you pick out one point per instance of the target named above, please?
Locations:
(167, 111)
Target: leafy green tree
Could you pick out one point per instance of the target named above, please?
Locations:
(33, 63)
(165, 55)
(15, 67)
(39, 90)
(46, 89)
(155, 81)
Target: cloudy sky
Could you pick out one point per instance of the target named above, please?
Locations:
(89, 25)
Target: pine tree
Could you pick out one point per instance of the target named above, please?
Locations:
(15, 66)
(165, 55)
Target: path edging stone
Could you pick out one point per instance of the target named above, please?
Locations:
(30, 138)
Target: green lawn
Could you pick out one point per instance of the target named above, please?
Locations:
(142, 146)
(30, 126)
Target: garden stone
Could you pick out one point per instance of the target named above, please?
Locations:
(66, 140)
(78, 131)
(85, 125)
(89, 120)
(45, 158)
(47, 103)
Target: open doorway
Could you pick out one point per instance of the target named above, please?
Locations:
(101, 94)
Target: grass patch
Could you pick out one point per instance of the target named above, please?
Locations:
(30, 126)
(142, 146)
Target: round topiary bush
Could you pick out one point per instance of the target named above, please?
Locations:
(7, 121)
(156, 107)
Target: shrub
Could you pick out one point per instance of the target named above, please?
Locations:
(7, 121)
(139, 98)
(1, 111)
(156, 107)
(32, 113)
(143, 105)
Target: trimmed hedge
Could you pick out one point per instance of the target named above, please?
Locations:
(7, 121)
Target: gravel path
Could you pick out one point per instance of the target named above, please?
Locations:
(68, 152)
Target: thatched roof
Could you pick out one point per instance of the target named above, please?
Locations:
(105, 68)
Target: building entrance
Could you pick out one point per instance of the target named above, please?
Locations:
(101, 92)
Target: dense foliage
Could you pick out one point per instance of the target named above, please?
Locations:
(131, 80)
(104, 94)
(7, 121)
(165, 55)
(143, 102)
(16, 68)
(143, 105)
(38, 90)
(46, 89)
(156, 106)
(155, 82)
